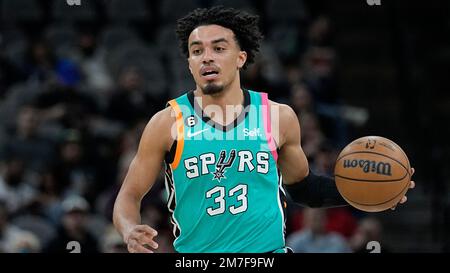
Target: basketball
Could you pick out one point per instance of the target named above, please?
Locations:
(372, 173)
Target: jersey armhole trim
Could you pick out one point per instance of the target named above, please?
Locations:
(267, 125)
(180, 133)
(170, 155)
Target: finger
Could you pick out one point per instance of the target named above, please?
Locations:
(139, 249)
(412, 185)
(151, 244)
(145, 239)
(404, 199)
(393, 208)
(136, 230)
(147, 229)
(135, 247)
(412, 171)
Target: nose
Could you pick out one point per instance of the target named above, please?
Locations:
(208, 56)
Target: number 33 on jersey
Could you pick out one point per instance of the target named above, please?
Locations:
(226, 179)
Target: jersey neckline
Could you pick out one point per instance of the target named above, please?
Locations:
(225, 128)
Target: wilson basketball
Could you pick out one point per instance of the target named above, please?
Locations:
(372, 173)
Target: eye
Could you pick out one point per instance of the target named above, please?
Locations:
(219, 49)
(196, 51)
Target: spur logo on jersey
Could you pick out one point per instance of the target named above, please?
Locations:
(221, 165)
(239, 161)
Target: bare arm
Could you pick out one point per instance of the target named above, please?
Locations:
(142, 173)
(304, 187)
(292, 160)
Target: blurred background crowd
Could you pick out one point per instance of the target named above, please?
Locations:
(79, 83)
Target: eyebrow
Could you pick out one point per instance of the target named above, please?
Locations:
(213, 42)
(195, 43)
(220, 40)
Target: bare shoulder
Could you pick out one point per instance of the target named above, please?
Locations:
(284, 121)
(285, 113)
(163, 118)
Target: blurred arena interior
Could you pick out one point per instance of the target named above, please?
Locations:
(79, 83)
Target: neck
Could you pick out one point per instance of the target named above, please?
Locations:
(229, 101)
(230, 95)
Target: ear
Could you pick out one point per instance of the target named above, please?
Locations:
(190, 68)
(242, 58)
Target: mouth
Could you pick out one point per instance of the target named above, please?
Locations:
(209, 73)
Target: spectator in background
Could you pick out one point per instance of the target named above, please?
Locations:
(301, 99)
(74, 227)
(50, 194)
(67, 107)
(126, 148)
(112, 242)
(92, 64)
(318, 65)
(130, 103)
(267, 74)
(314, 238)
(13, 239)
(25, 242)
(41, 64)
(328, 115)
(369, 229)
(339, 219)
(312, 135)
(325, 159)
(26, 143)
(79, 176)
(16, 189)
(319, 32)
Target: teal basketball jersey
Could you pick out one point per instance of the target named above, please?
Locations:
(224, 187)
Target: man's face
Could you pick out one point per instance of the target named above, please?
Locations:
(315, 219)
(74, 221)
(214, 58)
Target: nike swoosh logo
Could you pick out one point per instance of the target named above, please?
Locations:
(190, 134)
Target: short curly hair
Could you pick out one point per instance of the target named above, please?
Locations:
(244, 26)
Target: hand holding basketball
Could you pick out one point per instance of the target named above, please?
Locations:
(373, 174)
(411, 186)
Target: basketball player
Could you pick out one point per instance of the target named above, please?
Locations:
(224, 169)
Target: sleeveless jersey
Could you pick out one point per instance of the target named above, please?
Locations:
(224, 187)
